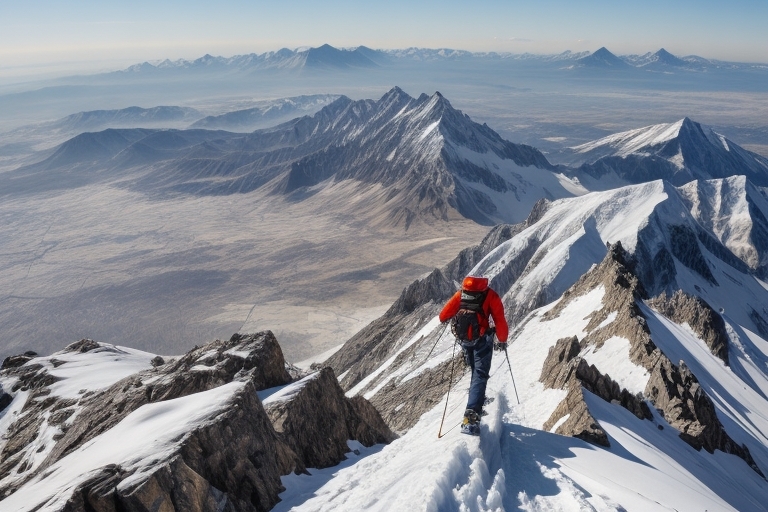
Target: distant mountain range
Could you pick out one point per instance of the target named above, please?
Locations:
(323, 57)
(268, 114)
(327, 57)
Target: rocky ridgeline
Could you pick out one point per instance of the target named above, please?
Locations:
(233, 462)
(672, 389)
(563, 369)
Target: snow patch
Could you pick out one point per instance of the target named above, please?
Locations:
(613, 359)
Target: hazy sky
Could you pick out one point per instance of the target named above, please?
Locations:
(114, 33)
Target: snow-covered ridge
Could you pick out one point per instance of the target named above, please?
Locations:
(678, 152)
(136, 444)
(624, 143)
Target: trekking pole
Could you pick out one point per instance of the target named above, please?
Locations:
(510, 374)
(447, 396)
(438, 339)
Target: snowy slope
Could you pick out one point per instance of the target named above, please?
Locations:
(73, 374)
(736, 212)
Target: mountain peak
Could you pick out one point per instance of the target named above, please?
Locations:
(679, 152)
(602, 58)
(664, 57)
(396, 93)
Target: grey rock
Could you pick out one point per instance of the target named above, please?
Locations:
(254, 357)
(84, 345)
(563, 369)
(556, 371)
(580, 423)
(403, 403)
(320, 411)
(18, 360)
(675, 393)
(5, 399)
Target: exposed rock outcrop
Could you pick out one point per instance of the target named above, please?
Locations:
(5, 399)
(708, 325)
(578, 420)
(675, 393)
(230, 462)
(563, 369)
(82, 346)
(255, 357)
(623, 290)
(318, 410)
(403, 403)
(16, 361)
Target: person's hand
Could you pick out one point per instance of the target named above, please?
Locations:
(499, 346)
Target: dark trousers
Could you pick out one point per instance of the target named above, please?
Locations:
(478, 357)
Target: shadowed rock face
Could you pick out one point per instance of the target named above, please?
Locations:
(687, 408)
(321, 411)
(233, 461)
(682, 308)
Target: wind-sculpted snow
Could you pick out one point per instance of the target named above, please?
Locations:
(736, 212)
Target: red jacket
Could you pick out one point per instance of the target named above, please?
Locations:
(492, 307)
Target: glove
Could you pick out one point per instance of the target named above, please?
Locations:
(498, 346)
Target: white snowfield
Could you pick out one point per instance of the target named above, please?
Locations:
(77, 373)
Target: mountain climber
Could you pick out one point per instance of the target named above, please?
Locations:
(470, 309)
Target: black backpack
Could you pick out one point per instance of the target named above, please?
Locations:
(466, 323)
